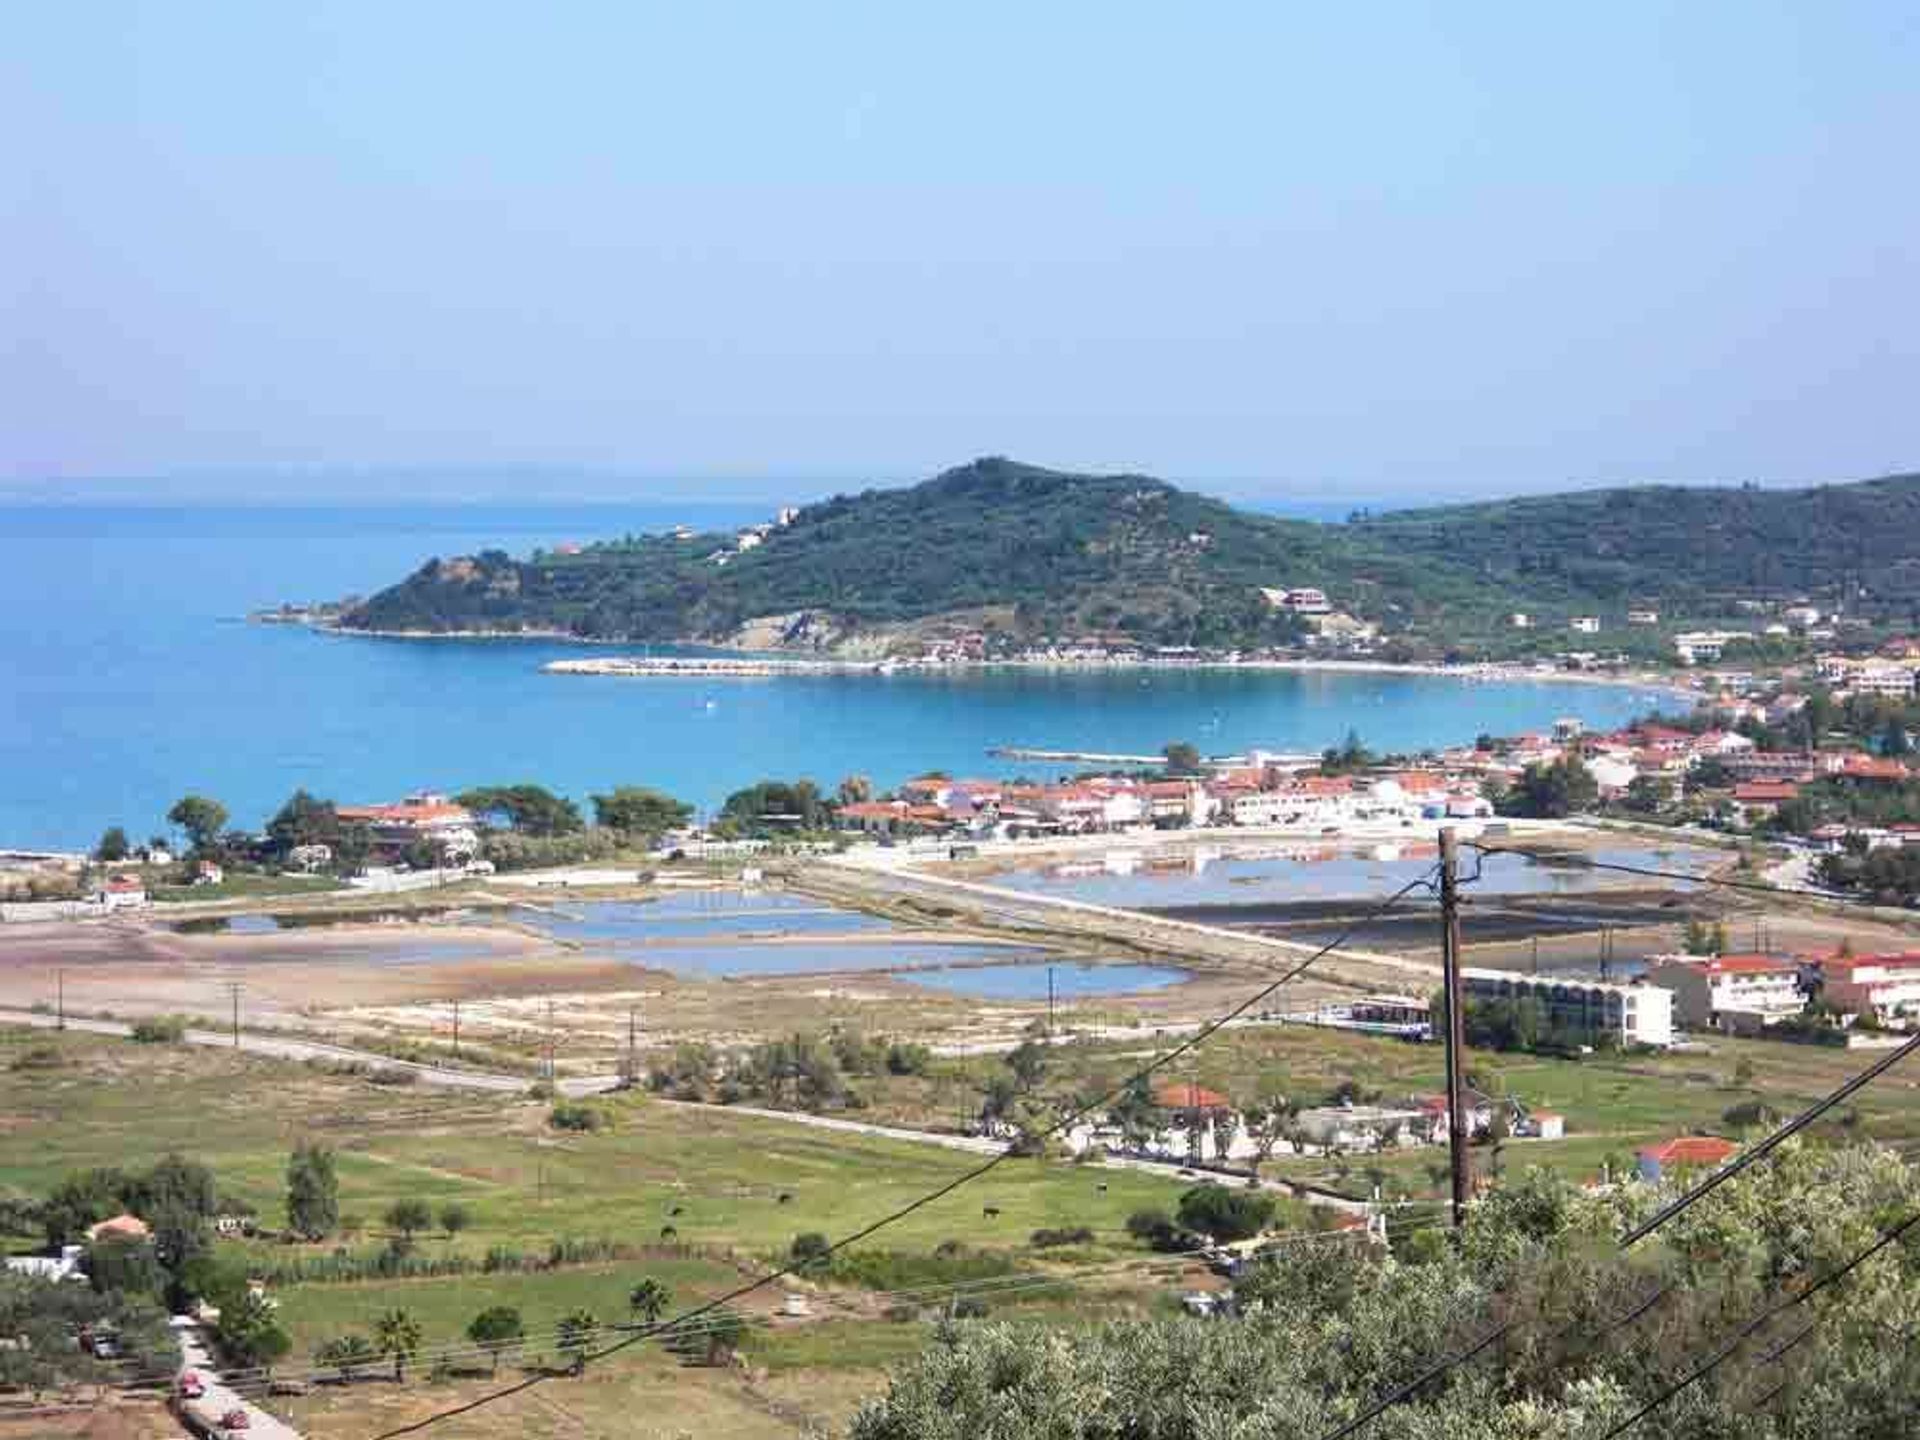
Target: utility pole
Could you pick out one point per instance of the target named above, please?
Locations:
(233, 990)
(1049, 1002)
(456, 1027)
(1461, 1163)
(633, 1045)
(59, 999)
(550, 1064)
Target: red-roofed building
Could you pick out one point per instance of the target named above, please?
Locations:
(1760, 799)
(1873, 768)
(124, 891)
(1741, 993)
(1184, 1095)
(1685, 1152)
(396, 829)
(1886, 986)
(119, 1227)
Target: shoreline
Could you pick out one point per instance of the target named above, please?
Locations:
(712, 666)
(790, 667)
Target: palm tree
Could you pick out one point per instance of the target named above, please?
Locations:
(397, 1334)
(575, 1335)
(346, 1354)
(649, 1300)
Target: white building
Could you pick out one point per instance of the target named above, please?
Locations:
(1520, 620)
(1585, 624)
(1717, 989)
(1887, 986)
(1704, 647)
(1301, 600)
(1640, 616)
(1637, 1014)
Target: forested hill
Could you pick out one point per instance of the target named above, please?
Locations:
(1023, 552)
(1694, 548)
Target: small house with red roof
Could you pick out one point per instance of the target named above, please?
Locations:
(1685, 1152)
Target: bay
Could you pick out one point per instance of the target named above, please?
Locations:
(129, 676)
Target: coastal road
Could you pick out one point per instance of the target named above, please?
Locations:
(287, 1047)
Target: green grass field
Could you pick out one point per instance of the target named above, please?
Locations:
(116, 1103)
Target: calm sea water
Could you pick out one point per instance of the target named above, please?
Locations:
(128, 677)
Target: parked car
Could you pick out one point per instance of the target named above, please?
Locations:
(236, 1419)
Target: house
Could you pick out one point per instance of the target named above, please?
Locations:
(1735, 992)
(208, 872)
(1884, 986)
(1698, 647)
(1301, 600)
(1643, 616)
(1759, 799)
(1369, 1127)
(69, 1264)
(124, 891)
(1584, 624)
(1520, 620)
(119, 1227)
(1635, 1014)
(423, 816)
(1191, 1097)
(1685, 1152)
(1541, 1125)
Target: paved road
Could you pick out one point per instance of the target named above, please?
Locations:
(287, 1047)
(218, 1401)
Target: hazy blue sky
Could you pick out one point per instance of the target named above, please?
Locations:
(1371, 250)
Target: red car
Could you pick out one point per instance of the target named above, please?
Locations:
(235, 1419)
(191, 1386)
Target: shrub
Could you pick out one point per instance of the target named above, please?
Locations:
(160, 1030)
(571, 1115)
(39, 1057)
(1147, 1224)
(1048, 1239)
(394, 1075)
(809, 1249)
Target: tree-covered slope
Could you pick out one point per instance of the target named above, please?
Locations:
(1695, 547)
(1030, 552)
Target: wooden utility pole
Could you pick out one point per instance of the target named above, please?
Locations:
(59, 999)
(456, 1027)
(1461, 1163)
(633, 1045)
(1049, 1002)
(233, 989)
(550, 1055)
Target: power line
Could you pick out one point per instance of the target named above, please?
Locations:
(1667, 1212)
(1713, 1362)
(1651, 872)
(940, 1192)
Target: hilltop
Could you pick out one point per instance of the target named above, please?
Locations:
(1018, 553)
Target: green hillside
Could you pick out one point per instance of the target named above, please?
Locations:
(1024, 553)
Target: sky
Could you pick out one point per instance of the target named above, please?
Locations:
(475, 250)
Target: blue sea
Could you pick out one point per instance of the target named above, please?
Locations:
(129, 676)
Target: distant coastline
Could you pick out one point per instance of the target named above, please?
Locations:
(774, 667)
(732, 662)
